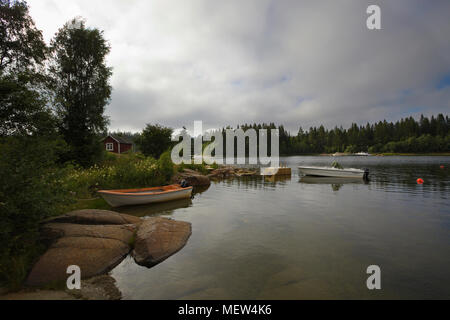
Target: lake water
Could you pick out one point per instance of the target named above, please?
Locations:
(254, 238)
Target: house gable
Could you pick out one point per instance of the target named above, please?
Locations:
(116, 145)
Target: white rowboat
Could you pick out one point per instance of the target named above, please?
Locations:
(334, 172)
(127, 197)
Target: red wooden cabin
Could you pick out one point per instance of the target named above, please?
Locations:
(117, 144)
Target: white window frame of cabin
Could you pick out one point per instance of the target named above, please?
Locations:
(109, 146)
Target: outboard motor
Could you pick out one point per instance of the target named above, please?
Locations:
(366, 174)
(184, 184)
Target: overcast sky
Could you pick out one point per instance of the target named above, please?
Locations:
(297, 63)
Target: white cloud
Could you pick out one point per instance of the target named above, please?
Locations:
(289, 62)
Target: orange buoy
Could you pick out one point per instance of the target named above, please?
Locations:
(420, 181)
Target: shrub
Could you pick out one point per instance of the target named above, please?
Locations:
(154, 140)
(351, 149)
(32, 189)
(166, 167)
(376, 148)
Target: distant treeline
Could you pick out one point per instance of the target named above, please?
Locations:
(405, 136)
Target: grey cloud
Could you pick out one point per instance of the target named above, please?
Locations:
(290, 62)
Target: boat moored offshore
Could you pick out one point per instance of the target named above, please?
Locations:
(334, 172)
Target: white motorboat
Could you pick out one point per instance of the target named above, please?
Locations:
(363, 154)
(334, 172)
(127, 197)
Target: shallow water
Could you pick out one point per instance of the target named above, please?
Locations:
(255, 238)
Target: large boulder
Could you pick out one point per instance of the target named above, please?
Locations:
(222, 173)
(194, 178)
(159, 238)
(94, 256)
(94, 240)
(53, 231)
(197, 180)
(94, 217)
(229, 172)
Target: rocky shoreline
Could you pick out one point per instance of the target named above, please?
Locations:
(96, 241)
(194, 178)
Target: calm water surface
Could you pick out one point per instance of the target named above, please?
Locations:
(296, 238)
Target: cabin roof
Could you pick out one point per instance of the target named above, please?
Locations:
(123, 140)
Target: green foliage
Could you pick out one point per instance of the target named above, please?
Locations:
(22, 45)
(376, 148)
(154, 140)
(86, 151)
(23, 108)
(127, 171)
(32, 186)
(214, 166)
(336, 165)
(32, 189)
(351, 149)
(91, 203)
(423, 144)
(196, 167)
(166, 166)
(81, 89)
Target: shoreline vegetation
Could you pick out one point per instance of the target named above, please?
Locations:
(431, 154)
(390, 154)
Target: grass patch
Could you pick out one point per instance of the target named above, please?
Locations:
(95, 203)
(202, 168)
(126, 171)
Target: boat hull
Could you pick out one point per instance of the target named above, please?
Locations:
(330, 180)
(332, 172)
(119, 198)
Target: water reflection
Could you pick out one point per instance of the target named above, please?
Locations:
(257, 238)
(156, 209)
(256, 182)
(336, 183)
(277, 179)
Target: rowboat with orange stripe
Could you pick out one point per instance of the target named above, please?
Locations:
(127, 197)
